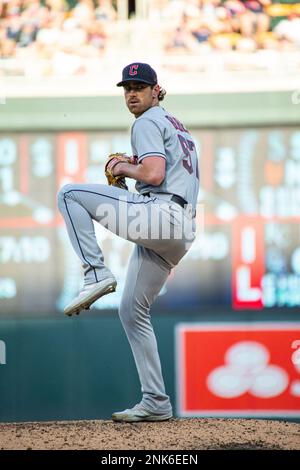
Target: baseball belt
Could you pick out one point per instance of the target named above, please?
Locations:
(177, 199)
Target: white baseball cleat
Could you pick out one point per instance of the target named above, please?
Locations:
(138, 413)
(89, 294)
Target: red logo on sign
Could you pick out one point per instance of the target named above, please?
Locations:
(133, 69)
(238, 370)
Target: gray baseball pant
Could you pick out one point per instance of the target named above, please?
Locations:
(155, 225)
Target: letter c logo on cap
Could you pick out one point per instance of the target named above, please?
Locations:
(133, 69)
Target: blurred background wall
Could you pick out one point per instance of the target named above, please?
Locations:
(227, 320)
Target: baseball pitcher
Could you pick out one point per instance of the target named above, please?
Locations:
(159, 219)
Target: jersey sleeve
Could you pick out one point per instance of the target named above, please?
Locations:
(147, 139)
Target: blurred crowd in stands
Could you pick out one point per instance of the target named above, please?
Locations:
(56, 29)
(246, 25)
(33, 28)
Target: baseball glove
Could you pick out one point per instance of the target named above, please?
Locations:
(112, 160)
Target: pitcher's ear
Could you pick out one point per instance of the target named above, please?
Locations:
(155, 91)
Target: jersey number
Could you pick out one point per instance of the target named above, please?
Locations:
(188, 146)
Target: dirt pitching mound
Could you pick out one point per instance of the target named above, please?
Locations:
(176, 434)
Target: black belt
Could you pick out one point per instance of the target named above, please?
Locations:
(178, 199)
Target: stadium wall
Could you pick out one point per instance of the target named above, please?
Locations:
(109, 112)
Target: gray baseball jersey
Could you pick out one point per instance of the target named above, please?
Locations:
(156, 132)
